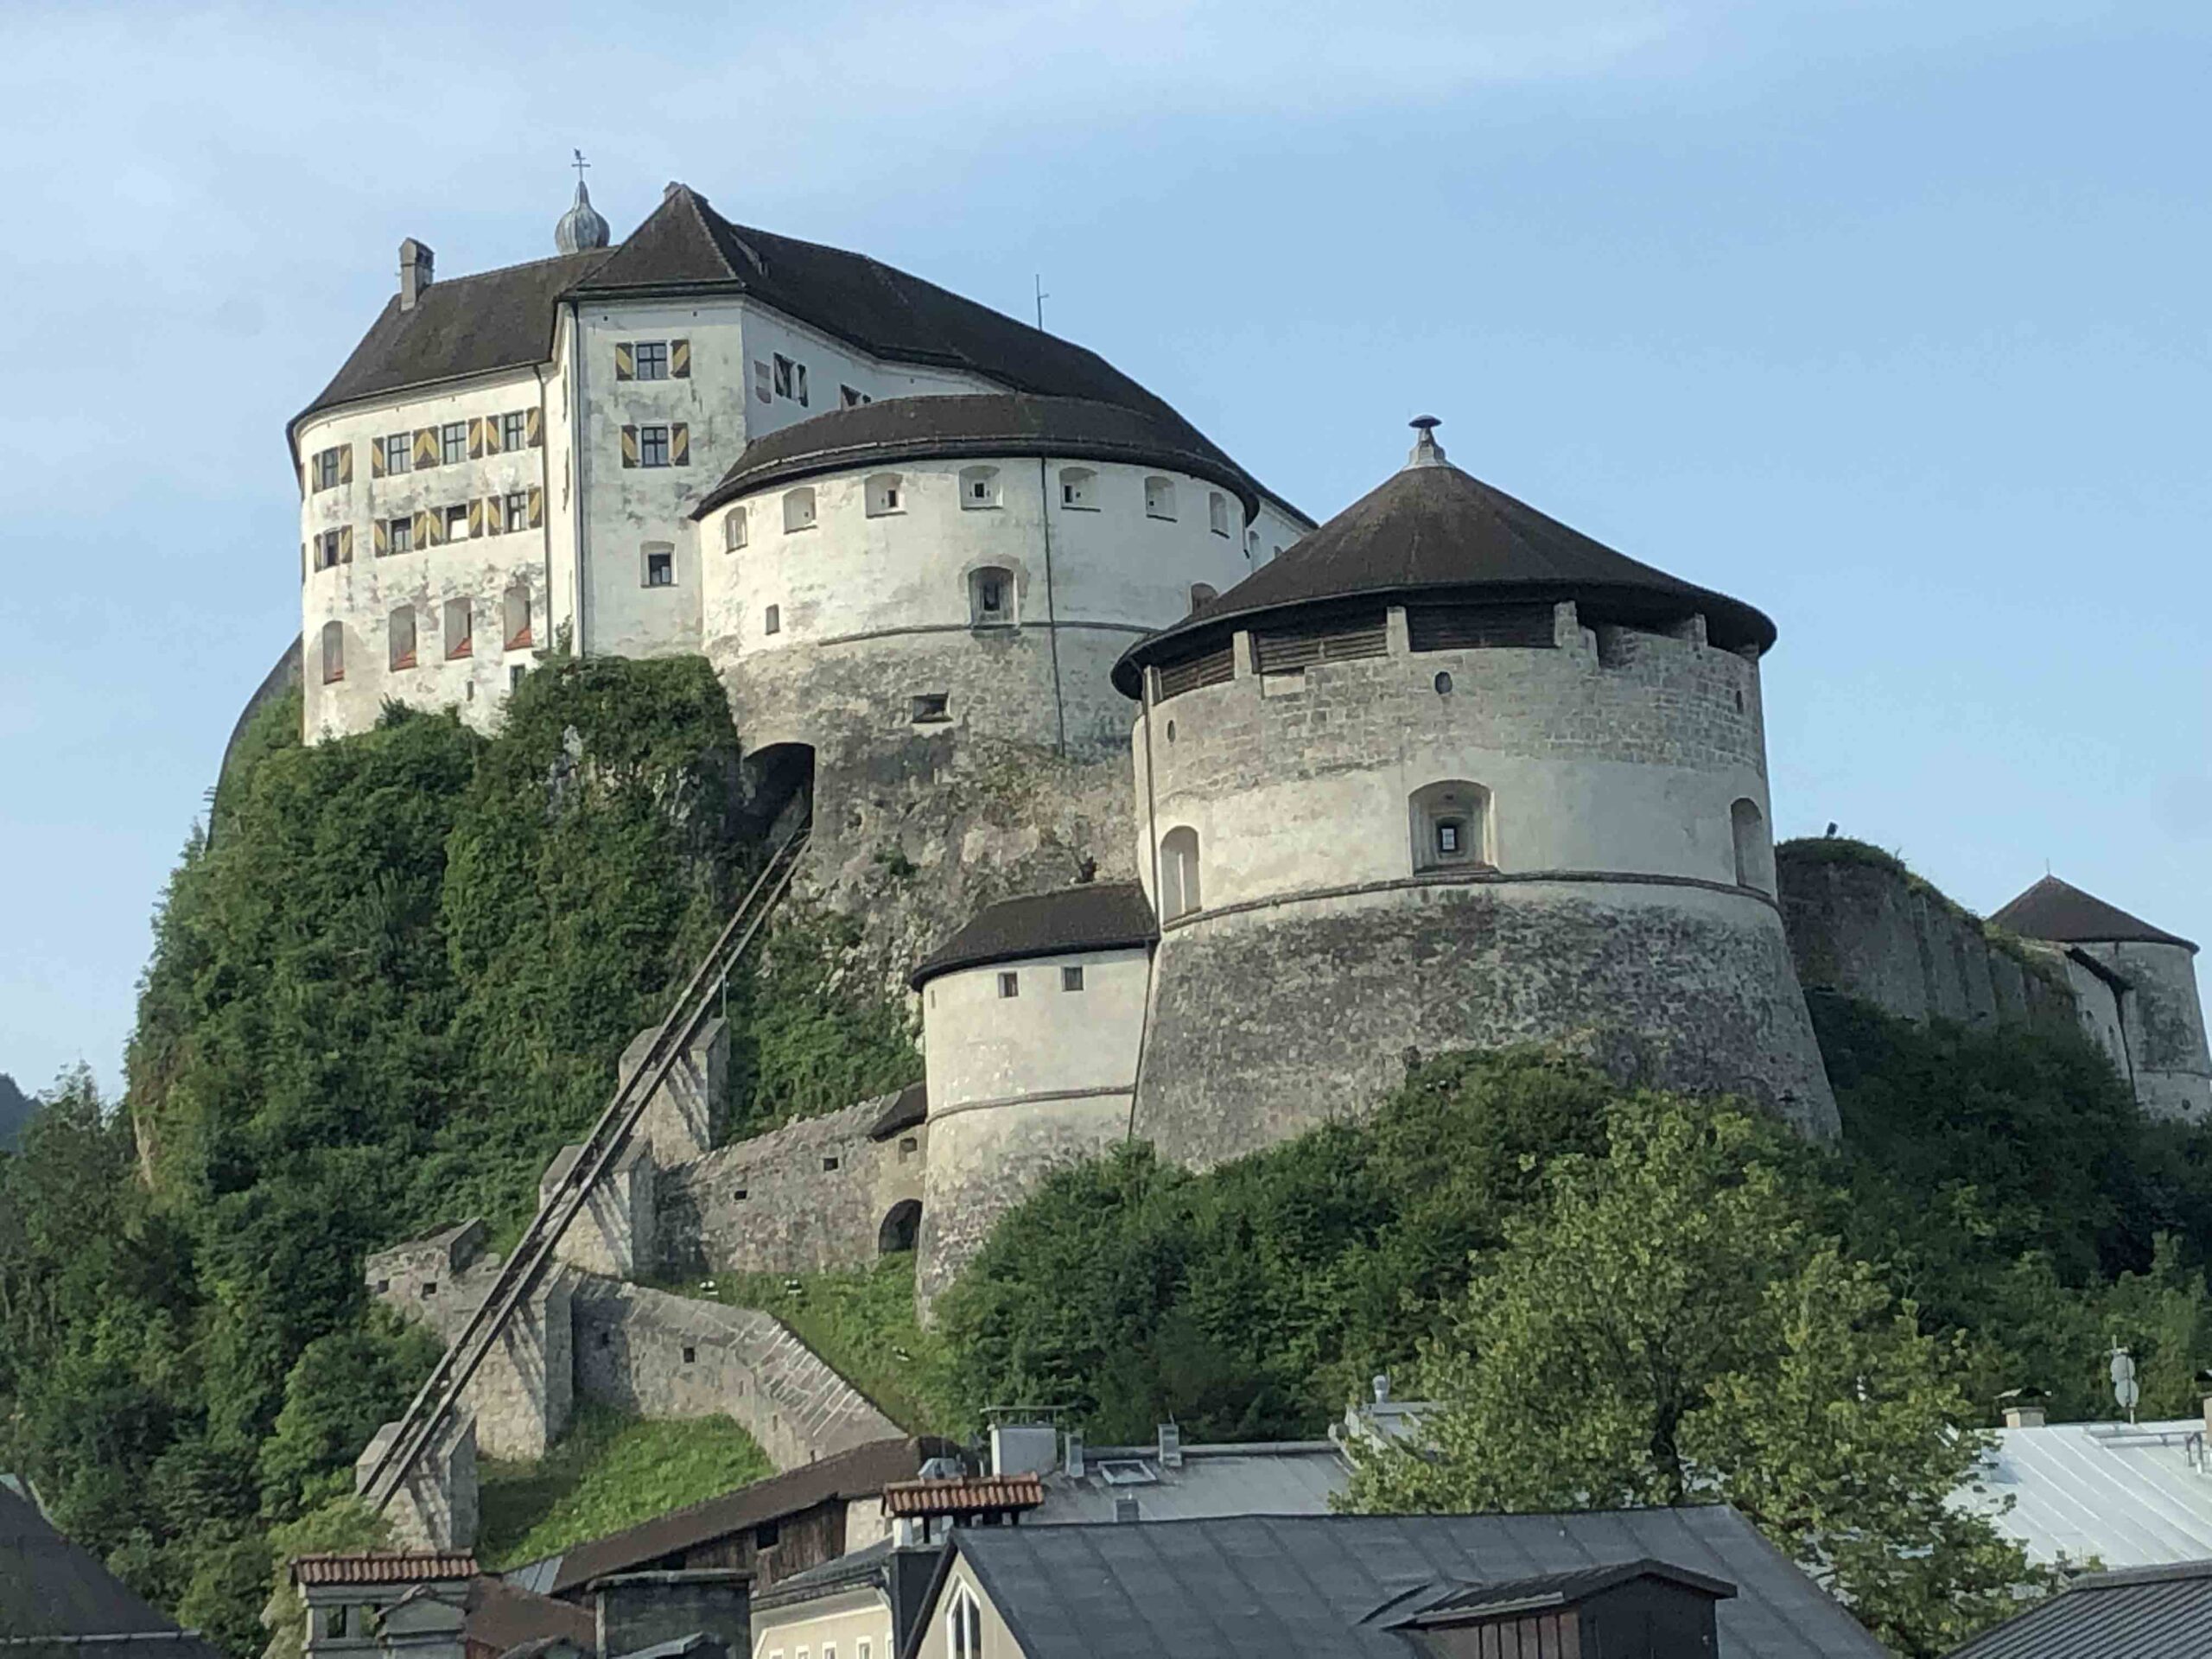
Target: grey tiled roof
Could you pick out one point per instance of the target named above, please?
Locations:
(2158, 1612)
(1436, 532)
(1305, 1587)
(52, 1586)
(2062, 913)
(1102, 916)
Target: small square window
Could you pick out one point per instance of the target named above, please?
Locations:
(452, 443)
(1071, 979)
(514, 430)
(1009, 985)
(383, 1286)
(652, 446)
(829, 1163)
(429, 1288)
(1451, 837)
(660, 566)
(773, 621)
(691, 1355)
(649, 358)
(738, 1194)
(400, 535)
(399, 452)
(908, 1145)
(930, 708)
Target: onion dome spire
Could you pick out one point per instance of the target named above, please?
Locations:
(581, 230)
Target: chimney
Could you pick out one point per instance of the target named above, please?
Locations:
(414, 272)
(1125, 1507)
(1074, 1464)
(1170, 1446)
(2023, 1407)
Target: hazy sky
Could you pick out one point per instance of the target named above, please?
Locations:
(1887, 315)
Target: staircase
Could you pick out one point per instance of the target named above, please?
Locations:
(433, 1408)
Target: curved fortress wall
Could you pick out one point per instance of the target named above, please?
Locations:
(1606, 881)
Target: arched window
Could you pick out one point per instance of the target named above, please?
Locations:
(402, 637)
(460, 629)
(1159, 497)
(1450, 825)
(886, 492)
(1217, 513)
(518, 632)
(334, 652)
(1079, 489)
(1754, 856)
(979, 488)
(1252, 544)
(798, 508)
(990, 597)
(1203, 593)
(1178, 872)
(734, 530)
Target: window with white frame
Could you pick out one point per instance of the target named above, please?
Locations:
(518, 510)
(659, 564)
(887, 494)
(334, 652)
(652, 446)
(452, 443)
(1178, 872)
(734, 530)
(963, 1625)
(771, 620)
(1071, 977)
(400, 535)
(326, 469)
(325, 550)
(399, 452)
(1079, 489)
(1159, 497)
(979, 488)
(1217, 513)
(798, 508)
(1009, 985)
(1450, 825)
(790, 380)
(457, 523)
(514, 430)
(990, 597)
(649, 359)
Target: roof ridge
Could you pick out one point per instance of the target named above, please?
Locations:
(699, 209)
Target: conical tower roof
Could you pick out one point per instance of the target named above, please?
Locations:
(2063, 914)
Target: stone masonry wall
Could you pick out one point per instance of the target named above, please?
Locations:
(662, 1356)
(773, 1204)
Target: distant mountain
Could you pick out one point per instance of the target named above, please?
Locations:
(16, 1109)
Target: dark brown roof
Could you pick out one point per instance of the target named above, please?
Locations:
(384, 1567)
(972, 426)
(1442, 534)
(1105, 916)
(910, 1106)
(859, 1473)
(460, 326)
(51, 1586)
(503, 1616)
(969, 1495)
(2065, 915)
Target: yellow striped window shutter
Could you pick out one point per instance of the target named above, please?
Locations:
(425, 529)
(679, 359)
(383, 534)
(494, 523)
(629, 446)
(476, 425)
(491, 435)
(534, 424)
(679, 444)
(426, 446)
(536, 507)
(345, 544)
(475, 516)
(346, 463)
(376, 458)
(625, 363)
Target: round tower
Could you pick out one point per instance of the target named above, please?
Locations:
(1450, 774)
(2135, 986)
(1033, 1018)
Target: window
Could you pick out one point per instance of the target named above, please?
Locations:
(514, 676)
(660, 564)
(1251, 543)
(773, 622)
(1178, 872)
(400, 535)
(761, 381)
(764, 1537)
(886, 495)
(514, 430)
(853, 397)
(516, 631)
(401, 631)
(691, 1355)
(1159, 497)
(931, 708)
(964, 1626)
(649, 358)
(790, 380)
(452, 443)
(325, 470)
(734, 530)
(1009, 985)
(1203, 593)
(461, 623)
(334, 652)
(518, 510)
(979, 488)
(1217, 513)
(1071, 978)
(1079, 489)
(990, 597)
(1450, 825)
(457, 523)
(399, 452)
(325, 550)
(429, 1288)
(652, 446)
(828, 1165)
(1754, 859)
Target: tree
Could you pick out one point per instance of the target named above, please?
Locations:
(1661, 1327)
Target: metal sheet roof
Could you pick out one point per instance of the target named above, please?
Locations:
(2156, 1613)
(1295, 1479)
(2115, 1494)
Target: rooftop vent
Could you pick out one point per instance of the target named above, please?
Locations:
(2023, 1407)
(1170, 1446)
(1125, 1507)
(1127, 1471)
(416, 263)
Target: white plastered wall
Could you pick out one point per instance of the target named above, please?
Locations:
(982, 1047)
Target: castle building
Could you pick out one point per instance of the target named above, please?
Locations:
(517, 458)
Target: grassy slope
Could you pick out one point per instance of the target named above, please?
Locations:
(608, 1473)
(860, 1321)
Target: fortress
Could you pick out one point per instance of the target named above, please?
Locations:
(1221, 816)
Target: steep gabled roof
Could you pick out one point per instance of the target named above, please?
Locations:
(1432, 532)
(2053, 910)
(1103, 916)
(50, 1586)
(2156, 1613)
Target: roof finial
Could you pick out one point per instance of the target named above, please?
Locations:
(581, 230)
(1426, 451)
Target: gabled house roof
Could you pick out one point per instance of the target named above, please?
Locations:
(2158, 1612)
(1329, 1586)
(2063, 914)
(50, 1586)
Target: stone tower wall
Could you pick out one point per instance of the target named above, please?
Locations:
(2163, 1019)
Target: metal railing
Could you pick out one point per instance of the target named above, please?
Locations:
(435, 1401)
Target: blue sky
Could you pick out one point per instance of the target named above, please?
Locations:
(1889, 317)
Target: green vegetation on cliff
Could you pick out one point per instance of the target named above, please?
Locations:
(386, 986)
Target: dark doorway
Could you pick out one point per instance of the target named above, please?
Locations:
(900, 1228)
